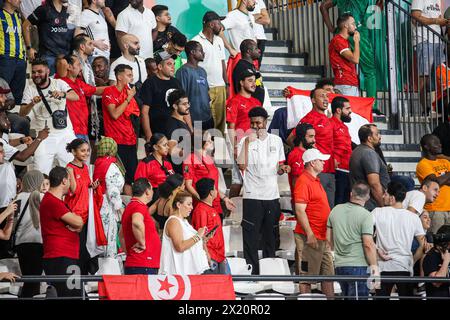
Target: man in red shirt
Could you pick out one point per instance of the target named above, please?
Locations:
(79, 110)
(343, 60)
(342, 110)
(239, 122)
(60, 233)
(138, 232)
(118, 106)
(312, 210)
(206, 215)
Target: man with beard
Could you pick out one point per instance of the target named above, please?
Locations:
(430, 166)
(165, 29)
(194, 81)
(94, 24)
(343, 60)
(100, 66)
(366, 165)
(342, 110)
(130, 57)
(249, 53)
(214, 64)
(54, 35)
(239, 23)
(43, 98)
(140, 22)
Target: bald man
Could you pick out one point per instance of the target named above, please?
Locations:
(130, 57)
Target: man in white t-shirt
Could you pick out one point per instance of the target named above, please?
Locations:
(415, 200)
(7, 179)
(54, 92)
(93, 23)
(261, 158)
(139, 21)
(130, 57)
(396, 229)
(239, 23)
(429, 47)
(214, 64)
(262, 19)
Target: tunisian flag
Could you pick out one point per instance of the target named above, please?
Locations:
(167, 287)
(299, 104)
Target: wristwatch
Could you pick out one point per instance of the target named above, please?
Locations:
(65, 95)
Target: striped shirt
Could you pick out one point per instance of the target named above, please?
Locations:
(11, 40)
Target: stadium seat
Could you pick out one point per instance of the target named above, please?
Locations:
(311, 296)
(239, 266)
(283, 186)
(269, 296)
(277, 266)
(233, 240)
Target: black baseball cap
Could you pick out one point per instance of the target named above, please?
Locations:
(163, 55)
(247, 73)
(211, 16)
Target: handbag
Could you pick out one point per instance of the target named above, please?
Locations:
(59, 117)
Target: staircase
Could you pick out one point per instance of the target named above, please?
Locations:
(281, 68)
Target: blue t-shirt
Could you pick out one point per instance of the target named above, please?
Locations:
(194, 82)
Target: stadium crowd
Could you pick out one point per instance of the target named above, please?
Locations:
(104, 76)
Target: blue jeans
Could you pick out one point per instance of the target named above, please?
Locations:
(342, 194)
(51, 60)
(349, 288)
(220, 267)
(429, 55)
(140, 270)
(14, 72)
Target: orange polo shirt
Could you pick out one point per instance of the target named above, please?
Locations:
(309, 191)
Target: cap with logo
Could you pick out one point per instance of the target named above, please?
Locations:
(314, 154)
(163, 55)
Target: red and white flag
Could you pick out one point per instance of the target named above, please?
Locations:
(167, 287)
(299, 104)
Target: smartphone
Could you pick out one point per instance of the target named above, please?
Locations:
(16, 213)
(212, 230)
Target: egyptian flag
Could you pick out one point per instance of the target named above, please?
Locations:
(299, 104)
(167, 287)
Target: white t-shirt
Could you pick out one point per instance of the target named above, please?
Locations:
(259, 28)
(414, 199)
(39, 111)
(430, 9)
(260, 177)
(396, 229)
(140, 65)
(8, 184)
(74, 10)
(214, 56)
(239, 26)
(132, 21)
(7, 148)
(96, 27)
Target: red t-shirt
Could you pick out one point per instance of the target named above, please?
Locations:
(79, 110)
(344, 71)
(237, 112)
(121, 130)
(196, 167)
(78, 201)
(309, 191)
(151, 169)
(58, 241)
(205, 215)
(324, 136)
(295, 161)
(149, 258)
(342, 143)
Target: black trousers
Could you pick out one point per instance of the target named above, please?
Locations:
(262, 48)
(260, 221)
(404, 289)
(128, 155)
(87, 264)
(30, 261)
(63, 266)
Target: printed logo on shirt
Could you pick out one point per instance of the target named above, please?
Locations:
(434, 7)
(57, 21)
(201, 81)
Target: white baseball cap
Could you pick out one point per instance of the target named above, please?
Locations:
(314, 154)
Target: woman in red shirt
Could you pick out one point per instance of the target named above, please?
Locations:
(78, 197)
(154, 167)
(200, 164)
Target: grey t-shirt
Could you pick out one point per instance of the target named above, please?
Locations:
(194, 82)
(364, 161)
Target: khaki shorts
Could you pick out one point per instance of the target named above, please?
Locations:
(313, 262)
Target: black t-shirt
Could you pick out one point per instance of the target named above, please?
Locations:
(443, 133)
(54, 35)
(432, 263)
(154, 94)
(116, 6)
(238, 69)
(184, 139)
(163, 37)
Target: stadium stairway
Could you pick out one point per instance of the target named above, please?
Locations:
(281, 68)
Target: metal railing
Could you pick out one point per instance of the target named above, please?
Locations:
(395, 44)
(267, 293)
